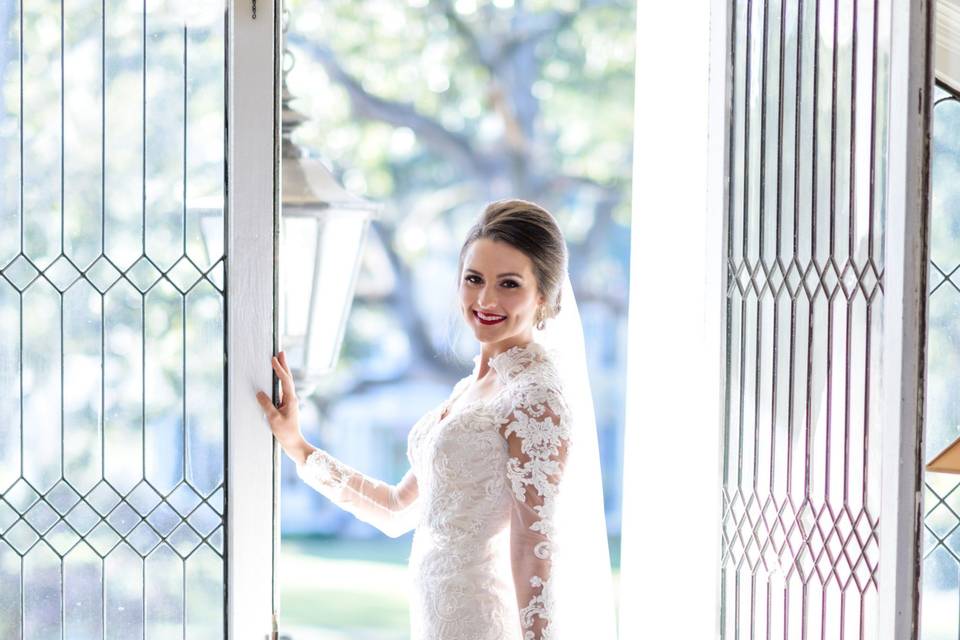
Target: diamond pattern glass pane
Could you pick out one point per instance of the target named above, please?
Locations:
(940, 597)
(62, 497)
(111, 309)
(21, 496)
(7, 516)
(804, 235)
(20, 273)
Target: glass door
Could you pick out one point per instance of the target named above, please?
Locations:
(115, 220)
(824, 241)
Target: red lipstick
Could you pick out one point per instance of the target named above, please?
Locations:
(488, 318)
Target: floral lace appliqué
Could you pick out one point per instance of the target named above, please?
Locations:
(480, 494)
(538, 433)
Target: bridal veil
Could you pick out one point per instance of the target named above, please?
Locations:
(581, 585)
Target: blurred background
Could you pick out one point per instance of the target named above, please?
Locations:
(433, 109)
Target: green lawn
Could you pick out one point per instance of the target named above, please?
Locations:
(334, 589)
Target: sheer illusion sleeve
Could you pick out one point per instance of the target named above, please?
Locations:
(537, 434)
(393, 509)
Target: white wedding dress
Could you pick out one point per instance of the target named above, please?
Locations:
(480, 493)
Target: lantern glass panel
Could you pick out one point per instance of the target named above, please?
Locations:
(320, 260)
(300, 237)
(342, 242)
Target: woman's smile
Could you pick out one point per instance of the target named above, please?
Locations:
(498, 293)
(488, 318)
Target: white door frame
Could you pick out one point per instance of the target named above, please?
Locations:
(251, 241)
(906, 242)
(720, 81)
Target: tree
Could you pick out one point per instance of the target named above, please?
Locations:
(437, 107)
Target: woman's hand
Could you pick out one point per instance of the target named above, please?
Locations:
(285, 419)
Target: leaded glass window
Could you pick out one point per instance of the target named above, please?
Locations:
(112, 330)
(940, 607)
(805, 265)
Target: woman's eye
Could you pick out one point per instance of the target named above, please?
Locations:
(472, 279)
(510, 284)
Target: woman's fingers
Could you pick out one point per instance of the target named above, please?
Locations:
(286, 379)
(286, 367)
(266, 404)
(278, 367)
(286, 388)
(281, 372)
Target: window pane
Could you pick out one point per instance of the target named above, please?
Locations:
(940, 613)
(801, 483)
(112, 119)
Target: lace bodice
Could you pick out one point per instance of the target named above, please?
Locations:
(480, 493)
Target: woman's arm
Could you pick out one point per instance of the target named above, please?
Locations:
(392, 509)
(537, 441)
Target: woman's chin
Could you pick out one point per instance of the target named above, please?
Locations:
(486, 332)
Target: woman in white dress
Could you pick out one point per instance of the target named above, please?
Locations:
(488, 466)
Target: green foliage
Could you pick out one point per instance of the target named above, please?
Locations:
(549, 89)
(435, 108)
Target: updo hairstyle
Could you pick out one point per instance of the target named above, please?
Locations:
(532, 230)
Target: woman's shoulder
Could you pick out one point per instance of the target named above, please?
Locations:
(532, 363)
(533, 384)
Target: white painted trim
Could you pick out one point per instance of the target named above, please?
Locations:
(252, 138)
(670, 545)
(715, 320)
(906, 238)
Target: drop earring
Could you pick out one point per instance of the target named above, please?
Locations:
(539, 319)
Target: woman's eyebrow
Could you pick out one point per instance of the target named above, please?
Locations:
(501, 275)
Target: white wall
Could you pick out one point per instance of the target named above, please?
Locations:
(671, 461)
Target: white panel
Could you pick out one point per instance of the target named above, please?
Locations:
(251, 237)
(671, 471)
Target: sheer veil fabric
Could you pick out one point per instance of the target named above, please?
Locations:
(581, 578)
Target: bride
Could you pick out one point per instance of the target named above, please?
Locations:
(503, 489)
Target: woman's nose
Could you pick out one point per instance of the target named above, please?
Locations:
(486, 300)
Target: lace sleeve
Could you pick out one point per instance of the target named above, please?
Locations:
(537, 434)
(393, 509)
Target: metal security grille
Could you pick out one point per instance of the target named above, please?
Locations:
(112, 343)
(940, 610)
(804, 240)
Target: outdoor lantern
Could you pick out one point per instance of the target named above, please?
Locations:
(322, 232)
(323, 228)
